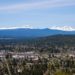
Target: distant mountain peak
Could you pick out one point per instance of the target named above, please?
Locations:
(20, 27)
(32, 33)
(63, 28)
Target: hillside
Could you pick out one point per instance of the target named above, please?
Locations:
(31, 33)
(54, 43)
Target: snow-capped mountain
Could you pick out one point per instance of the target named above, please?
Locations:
(32, 33)
(29, 32)
(63, 28)
(20, 27)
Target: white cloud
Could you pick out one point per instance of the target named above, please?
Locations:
(39, 4)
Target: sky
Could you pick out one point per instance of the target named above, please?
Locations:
(37, 13)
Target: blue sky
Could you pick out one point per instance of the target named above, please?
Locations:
(37, 13)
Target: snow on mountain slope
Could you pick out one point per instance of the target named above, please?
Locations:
(63, 28)
(20, 27)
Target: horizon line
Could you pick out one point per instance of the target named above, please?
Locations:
(62, 28)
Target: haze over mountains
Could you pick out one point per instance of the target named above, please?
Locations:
(32, 33)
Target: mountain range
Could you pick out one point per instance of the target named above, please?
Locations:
(31, 33)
